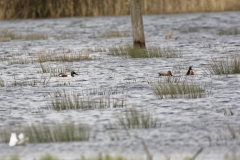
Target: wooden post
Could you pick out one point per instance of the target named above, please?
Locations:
(137, 24)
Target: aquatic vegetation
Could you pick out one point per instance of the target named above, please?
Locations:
(230, 31)
(178, 88)
(6, 34)
(228, 65)
(49, 157)
(97, 49)
(54, 70)
(133, 118)
(16, 59)
(64, 56)
(150, 52)
(57, 132)
(73, 101)
(100, 8)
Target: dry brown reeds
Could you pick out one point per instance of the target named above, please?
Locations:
(13, 9)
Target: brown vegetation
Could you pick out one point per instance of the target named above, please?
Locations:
(12, 9)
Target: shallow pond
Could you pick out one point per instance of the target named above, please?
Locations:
(186, 124)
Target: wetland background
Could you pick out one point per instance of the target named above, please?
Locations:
(117, 104)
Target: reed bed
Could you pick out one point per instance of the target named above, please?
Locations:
(73, 101)
(20, 82)
(15, 60)
(10, 35)
(57, 132)
(54, 70)
(221, 66)
(133, 118)
(178, 88)
(150, 52)
(63, 56)
(12, 9)
(230, 31)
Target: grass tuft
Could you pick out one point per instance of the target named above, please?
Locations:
(133, 118)
(49, 157)
(56, 132)
(150, 52)
(64, 56)
(230, 31)
(6, 34)
(178, 88)
(228, 65)
(73, 101)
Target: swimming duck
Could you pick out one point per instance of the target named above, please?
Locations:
(17, 140)
(67, 75)
(169, 73)
(65, 78)
(190, 71)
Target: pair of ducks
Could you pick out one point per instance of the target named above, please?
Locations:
(169, 73)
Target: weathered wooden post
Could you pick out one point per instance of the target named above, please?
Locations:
(137, 24)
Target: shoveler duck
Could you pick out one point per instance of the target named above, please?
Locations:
(169, 73)
(67, 75)
(190, 71)
(66, 78)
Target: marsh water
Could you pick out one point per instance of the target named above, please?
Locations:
(186, 124)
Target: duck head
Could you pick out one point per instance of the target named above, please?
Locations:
(73, 73)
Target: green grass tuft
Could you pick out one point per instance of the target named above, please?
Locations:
(133, 118)
(228, 65)
(49, 157)
(150, 52)
(73, 101)
(178, 88)
(64, 56)
(56, 132)
(10, 35)
(230, 31)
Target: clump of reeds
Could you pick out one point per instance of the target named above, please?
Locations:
(230, 31)
(228, 65)
(97, 49)
(54, 70)
(15, 59)
(133, 118)
(6, 34)
(105, 157)
(49, 157)
(57, 132)
(178, 88)
(52, 9)
(64, 56)
(72, 101)
(150, 52)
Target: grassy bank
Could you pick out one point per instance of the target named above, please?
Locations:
(14, 9)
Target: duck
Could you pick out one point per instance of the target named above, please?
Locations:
(65, 78)
(19, 140)
(169, 73)
(67, 75)
(190, 71)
